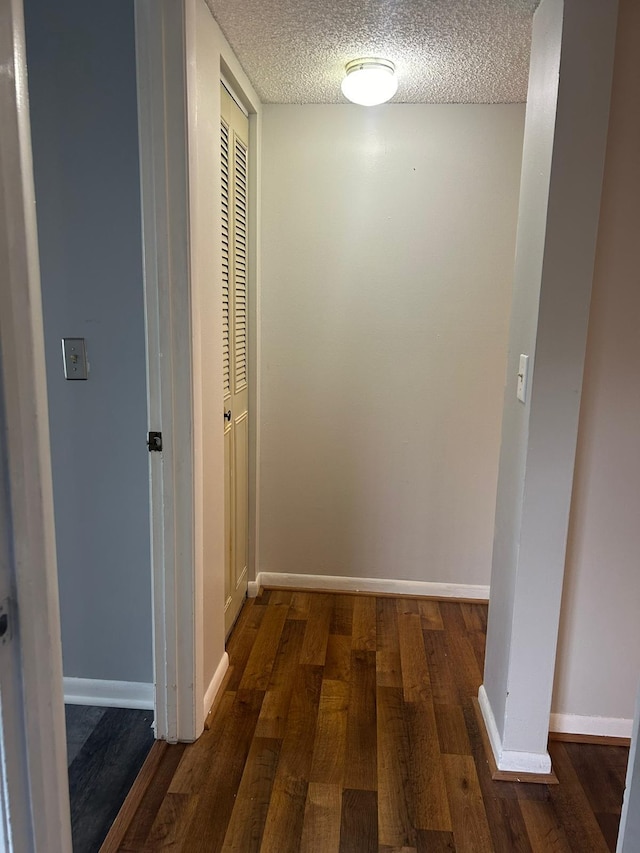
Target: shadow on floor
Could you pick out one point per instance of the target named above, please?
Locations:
(106, 748)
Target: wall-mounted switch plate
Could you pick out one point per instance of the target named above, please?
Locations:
(523, 377)
(74, 357)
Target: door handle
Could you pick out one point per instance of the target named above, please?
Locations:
(227, 416)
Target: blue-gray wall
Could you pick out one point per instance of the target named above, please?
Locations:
(82, 87)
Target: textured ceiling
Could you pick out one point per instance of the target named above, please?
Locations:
(445, 51)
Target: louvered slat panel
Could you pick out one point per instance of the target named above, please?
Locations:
(240, 263)
(226, 342)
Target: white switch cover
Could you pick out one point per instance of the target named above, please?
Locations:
(523, 375)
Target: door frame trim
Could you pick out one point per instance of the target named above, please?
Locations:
(164, 75)
(160, 35)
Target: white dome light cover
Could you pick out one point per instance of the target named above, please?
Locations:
(369, 81)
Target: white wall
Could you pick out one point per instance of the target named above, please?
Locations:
(85, 150)
(388, 245)
(599, 648)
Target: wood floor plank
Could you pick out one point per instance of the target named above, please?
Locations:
(395, 827)
(322, 817)
(384, 848)
(452, 617)
(285, 816)
(572, 805)
(139, 824)
(337, 665)
(193, 770)
(472, 615)
(174, 816)
(416, 680)
(428, 799)
(314, 647)
(246, 826)
(263, 596)
(405, 605)
(609, 825)
(430, 615)
(361, 772)
(600, 788)
(444, 689)
(248, 620)
(389, 669)
(464, 665)
(363, 635)
(329, 749)
(388, 665)
(477, 642)
(470, 828)
(506, 824)
(216, 794)
(483, 610)
(359, 822)
(428, 796)
(257, 671)
(242, 640)
(342, 618)
(452, 730)
(544, 832)
(281, 596)
(272, 721)
(296, 753)
(429, 841)
(300, 604)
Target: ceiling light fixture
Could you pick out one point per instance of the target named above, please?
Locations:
(369, 81)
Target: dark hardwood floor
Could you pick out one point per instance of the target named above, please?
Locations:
(106, 748)
(347, 724)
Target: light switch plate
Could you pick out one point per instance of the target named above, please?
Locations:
(523, 376)
(74, 356)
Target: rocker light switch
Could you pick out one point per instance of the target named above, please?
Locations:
(74, 356)
(523, 375)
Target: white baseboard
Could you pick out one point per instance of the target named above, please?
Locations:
(337, 583)
(212, 690)
(108, 694)
(576, 724)
(507, 759)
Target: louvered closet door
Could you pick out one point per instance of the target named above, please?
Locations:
(234, 138)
